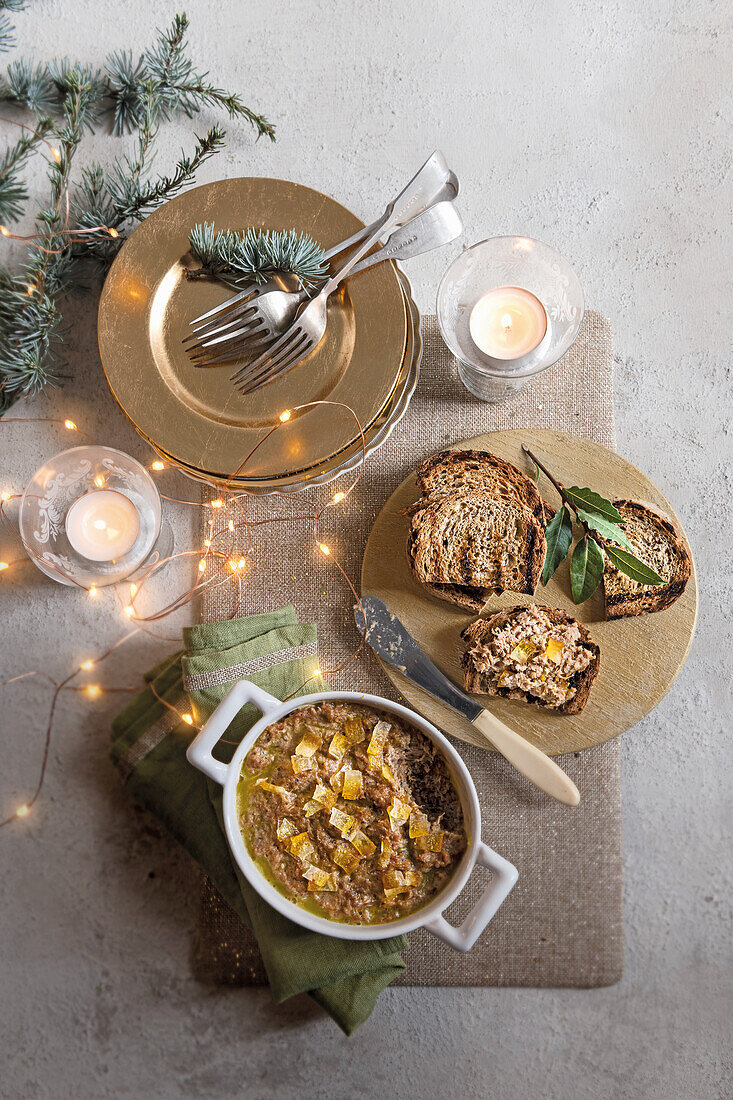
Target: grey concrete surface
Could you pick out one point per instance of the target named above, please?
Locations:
(605, 130)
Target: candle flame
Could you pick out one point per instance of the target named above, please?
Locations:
(507, 322)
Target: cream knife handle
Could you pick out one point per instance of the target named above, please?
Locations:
(531, 762)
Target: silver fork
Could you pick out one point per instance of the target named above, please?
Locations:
(310, 324)
(261, 311)
(438, 225)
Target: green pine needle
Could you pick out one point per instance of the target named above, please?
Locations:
(238, 258)
(133, 96)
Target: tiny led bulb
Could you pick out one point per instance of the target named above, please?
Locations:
(217, 504)
(55, 154)
(129, 610)
(338, 497)
(93, 691)
(4, 496)
(317, 672)
(99, 481)
(92, 591)
(230, 525)
(3, 565)
(241, 563)
(207, 542)
(187, 718)
(4, 230)
(158, 465)
(22, 811)
(70, 425)
(202, 565)
(324, 549)
(112, 232)
(285, 416)
(133, 590)
(232, 565)
(86, 665)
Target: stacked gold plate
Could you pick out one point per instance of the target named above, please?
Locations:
(367, 362)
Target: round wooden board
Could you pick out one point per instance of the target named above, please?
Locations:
(640, 656)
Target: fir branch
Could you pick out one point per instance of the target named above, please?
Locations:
(13, 192)
(29, 85)
(7, 30)
(237, 258)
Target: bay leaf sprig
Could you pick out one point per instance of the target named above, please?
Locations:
(596, 516)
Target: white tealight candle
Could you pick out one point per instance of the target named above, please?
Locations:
(103, 525)
(508, 322)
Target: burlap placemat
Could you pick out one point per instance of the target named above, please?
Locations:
(562, 924)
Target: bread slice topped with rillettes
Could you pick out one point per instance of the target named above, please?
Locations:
(659, 543)
(477, 541)
(536, 653)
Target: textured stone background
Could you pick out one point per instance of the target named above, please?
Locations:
(605, 133)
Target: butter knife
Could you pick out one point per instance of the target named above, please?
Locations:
(392, 641)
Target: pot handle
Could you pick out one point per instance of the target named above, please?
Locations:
(199, 752)
(504, 876)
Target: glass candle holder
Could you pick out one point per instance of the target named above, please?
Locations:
(92, 516)
(524, 269)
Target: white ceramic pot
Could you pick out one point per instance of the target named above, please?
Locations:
(504, 874)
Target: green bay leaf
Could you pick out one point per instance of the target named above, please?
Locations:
(586, 569)
(559, 535)
(593, 503)
(604, 527)
(632, 566)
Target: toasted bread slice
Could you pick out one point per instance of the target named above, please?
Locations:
(536, 653)
(456, 471)
(659, 543)
(477, 541)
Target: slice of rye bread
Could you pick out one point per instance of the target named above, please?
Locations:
(455, 471)
(658, 542)
(481, 683)
(476, 541)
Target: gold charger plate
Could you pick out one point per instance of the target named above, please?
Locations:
(374, 434)
(640, 657)
(194, 414)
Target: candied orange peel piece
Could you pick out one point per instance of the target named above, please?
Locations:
(523, 651)
(326, 797)
(385, 852)
(318, 879)
(419, 824)
(302, 846)
(346, 858)
(353, 784)
(431, 843)
(273, 788)
(337, 780)
(311, 807)
(308, 744)
(354, 730)
(286, 828)
(339, 745)
(388, 774)
(301, 764)
(553, 650)
(378, 738)
(362, 843)
(399, 811)
(343, 822)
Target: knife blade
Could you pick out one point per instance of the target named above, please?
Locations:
(391, 640)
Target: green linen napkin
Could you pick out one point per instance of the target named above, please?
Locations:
(149, 742)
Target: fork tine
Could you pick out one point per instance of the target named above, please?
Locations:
(230, 351)
(274, 349)
(209, 356)
(238, 330)
(239, 333)
(250, 291)
(239, 313)
(280, 365)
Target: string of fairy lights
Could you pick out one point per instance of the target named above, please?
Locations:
(219, 550)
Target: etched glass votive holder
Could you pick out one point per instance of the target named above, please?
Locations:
(517, 265)
(92, 516)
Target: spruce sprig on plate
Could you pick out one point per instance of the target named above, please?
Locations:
(596, 516)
